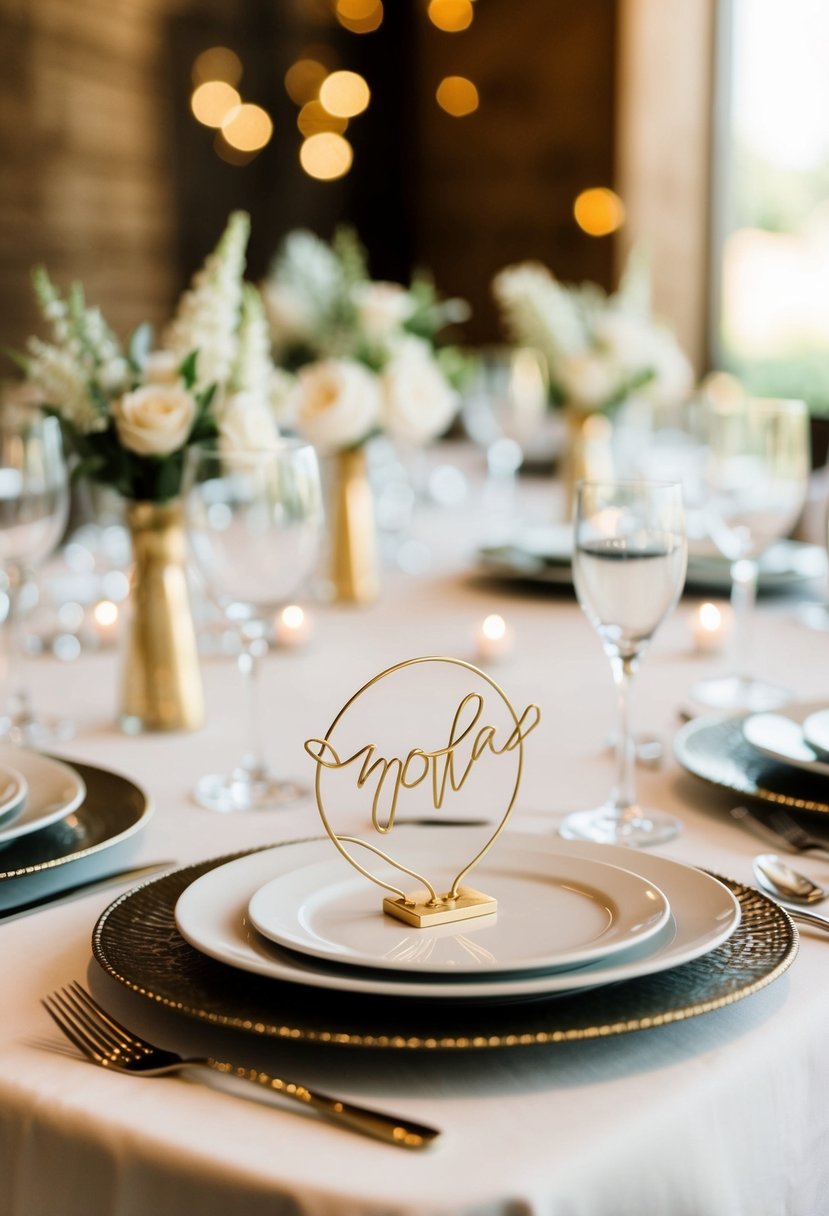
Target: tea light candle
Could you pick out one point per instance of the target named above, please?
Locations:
(294, 627)
(105, 616)
(495, 638)
(710, 626)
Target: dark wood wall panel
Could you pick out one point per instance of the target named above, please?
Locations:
(84, 131)
(107, 178)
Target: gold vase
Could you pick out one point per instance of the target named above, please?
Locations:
(588, 456)
(355, 570)
(162, 688)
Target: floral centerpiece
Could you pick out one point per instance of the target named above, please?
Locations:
(365, 360)
(600, 348)
(365, 353)
(129, 414)
(605, 354)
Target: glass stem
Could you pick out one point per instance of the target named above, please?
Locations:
(624, 798)
(743, 598)
(254, 648)
(18, 709)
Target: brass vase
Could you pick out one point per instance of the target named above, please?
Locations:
(588, 456)
(162, 687)
(355, 569)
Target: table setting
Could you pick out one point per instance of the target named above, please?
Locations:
(445, 923)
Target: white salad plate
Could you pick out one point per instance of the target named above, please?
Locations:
(54, 791)
(553, 914)
(782, 736)
(212, 915)
(13, 791)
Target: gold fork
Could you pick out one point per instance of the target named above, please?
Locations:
(108, 1043)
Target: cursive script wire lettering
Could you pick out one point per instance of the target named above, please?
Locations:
(420, 764)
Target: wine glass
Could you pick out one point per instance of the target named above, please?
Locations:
(34, 506)
(505, 411)
(629, 559)
(254, 520)
(756, 480)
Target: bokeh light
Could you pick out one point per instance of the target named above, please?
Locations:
(599, 211)
(314, 118)
(359, 16)
(457, 96)
(229, 154)
(303, 80)
(451, 16)
(212, 102)
(345, 94)
(217, 63)
(247, 127)
(326, 156)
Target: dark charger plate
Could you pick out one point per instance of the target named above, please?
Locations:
(136, 942)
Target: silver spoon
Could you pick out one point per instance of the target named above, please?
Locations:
(780, 880)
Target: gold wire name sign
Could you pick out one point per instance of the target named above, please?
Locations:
(471, 739)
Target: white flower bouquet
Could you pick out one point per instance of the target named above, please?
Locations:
(364, 352)
(131, 413)
(600, 349)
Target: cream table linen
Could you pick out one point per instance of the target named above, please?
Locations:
(725, 1115)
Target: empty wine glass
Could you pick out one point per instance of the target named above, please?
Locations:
(254, 519)
(756, 480)
(629, 559)
(34, 504)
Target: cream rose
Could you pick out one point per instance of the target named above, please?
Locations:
(155, 420)
(246, 423)
(418, 404)
(161, 367)
(335, 403)
(382, 308)
(589, 380)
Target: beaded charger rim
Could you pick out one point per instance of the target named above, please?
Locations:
(137, 943)
(714, 749)
(426, 907)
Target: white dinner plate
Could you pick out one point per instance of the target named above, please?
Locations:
(13, 791)
(54, 791)
(781, 736)
(816, 732)
(553, 914)
(543, 554)
(211, 914)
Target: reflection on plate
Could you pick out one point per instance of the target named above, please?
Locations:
(816, 732)
(542, 555)
(212, 916)
(13, 791)
(94, 840)
(137, 943)
(780, 736)
(553, 913)
(715, 749)
(55, 790)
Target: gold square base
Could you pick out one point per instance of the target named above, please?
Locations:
(469, 903)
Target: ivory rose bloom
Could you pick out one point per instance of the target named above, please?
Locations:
(418, 404)
(336, 403)
(246, 423)
(155, 420)
(161, 367)
(588, 379)
(381, 308)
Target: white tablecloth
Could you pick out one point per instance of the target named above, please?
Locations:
(723, 1115)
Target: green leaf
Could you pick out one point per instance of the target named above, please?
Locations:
(187, 370)
(17, 358)
(141, 343)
